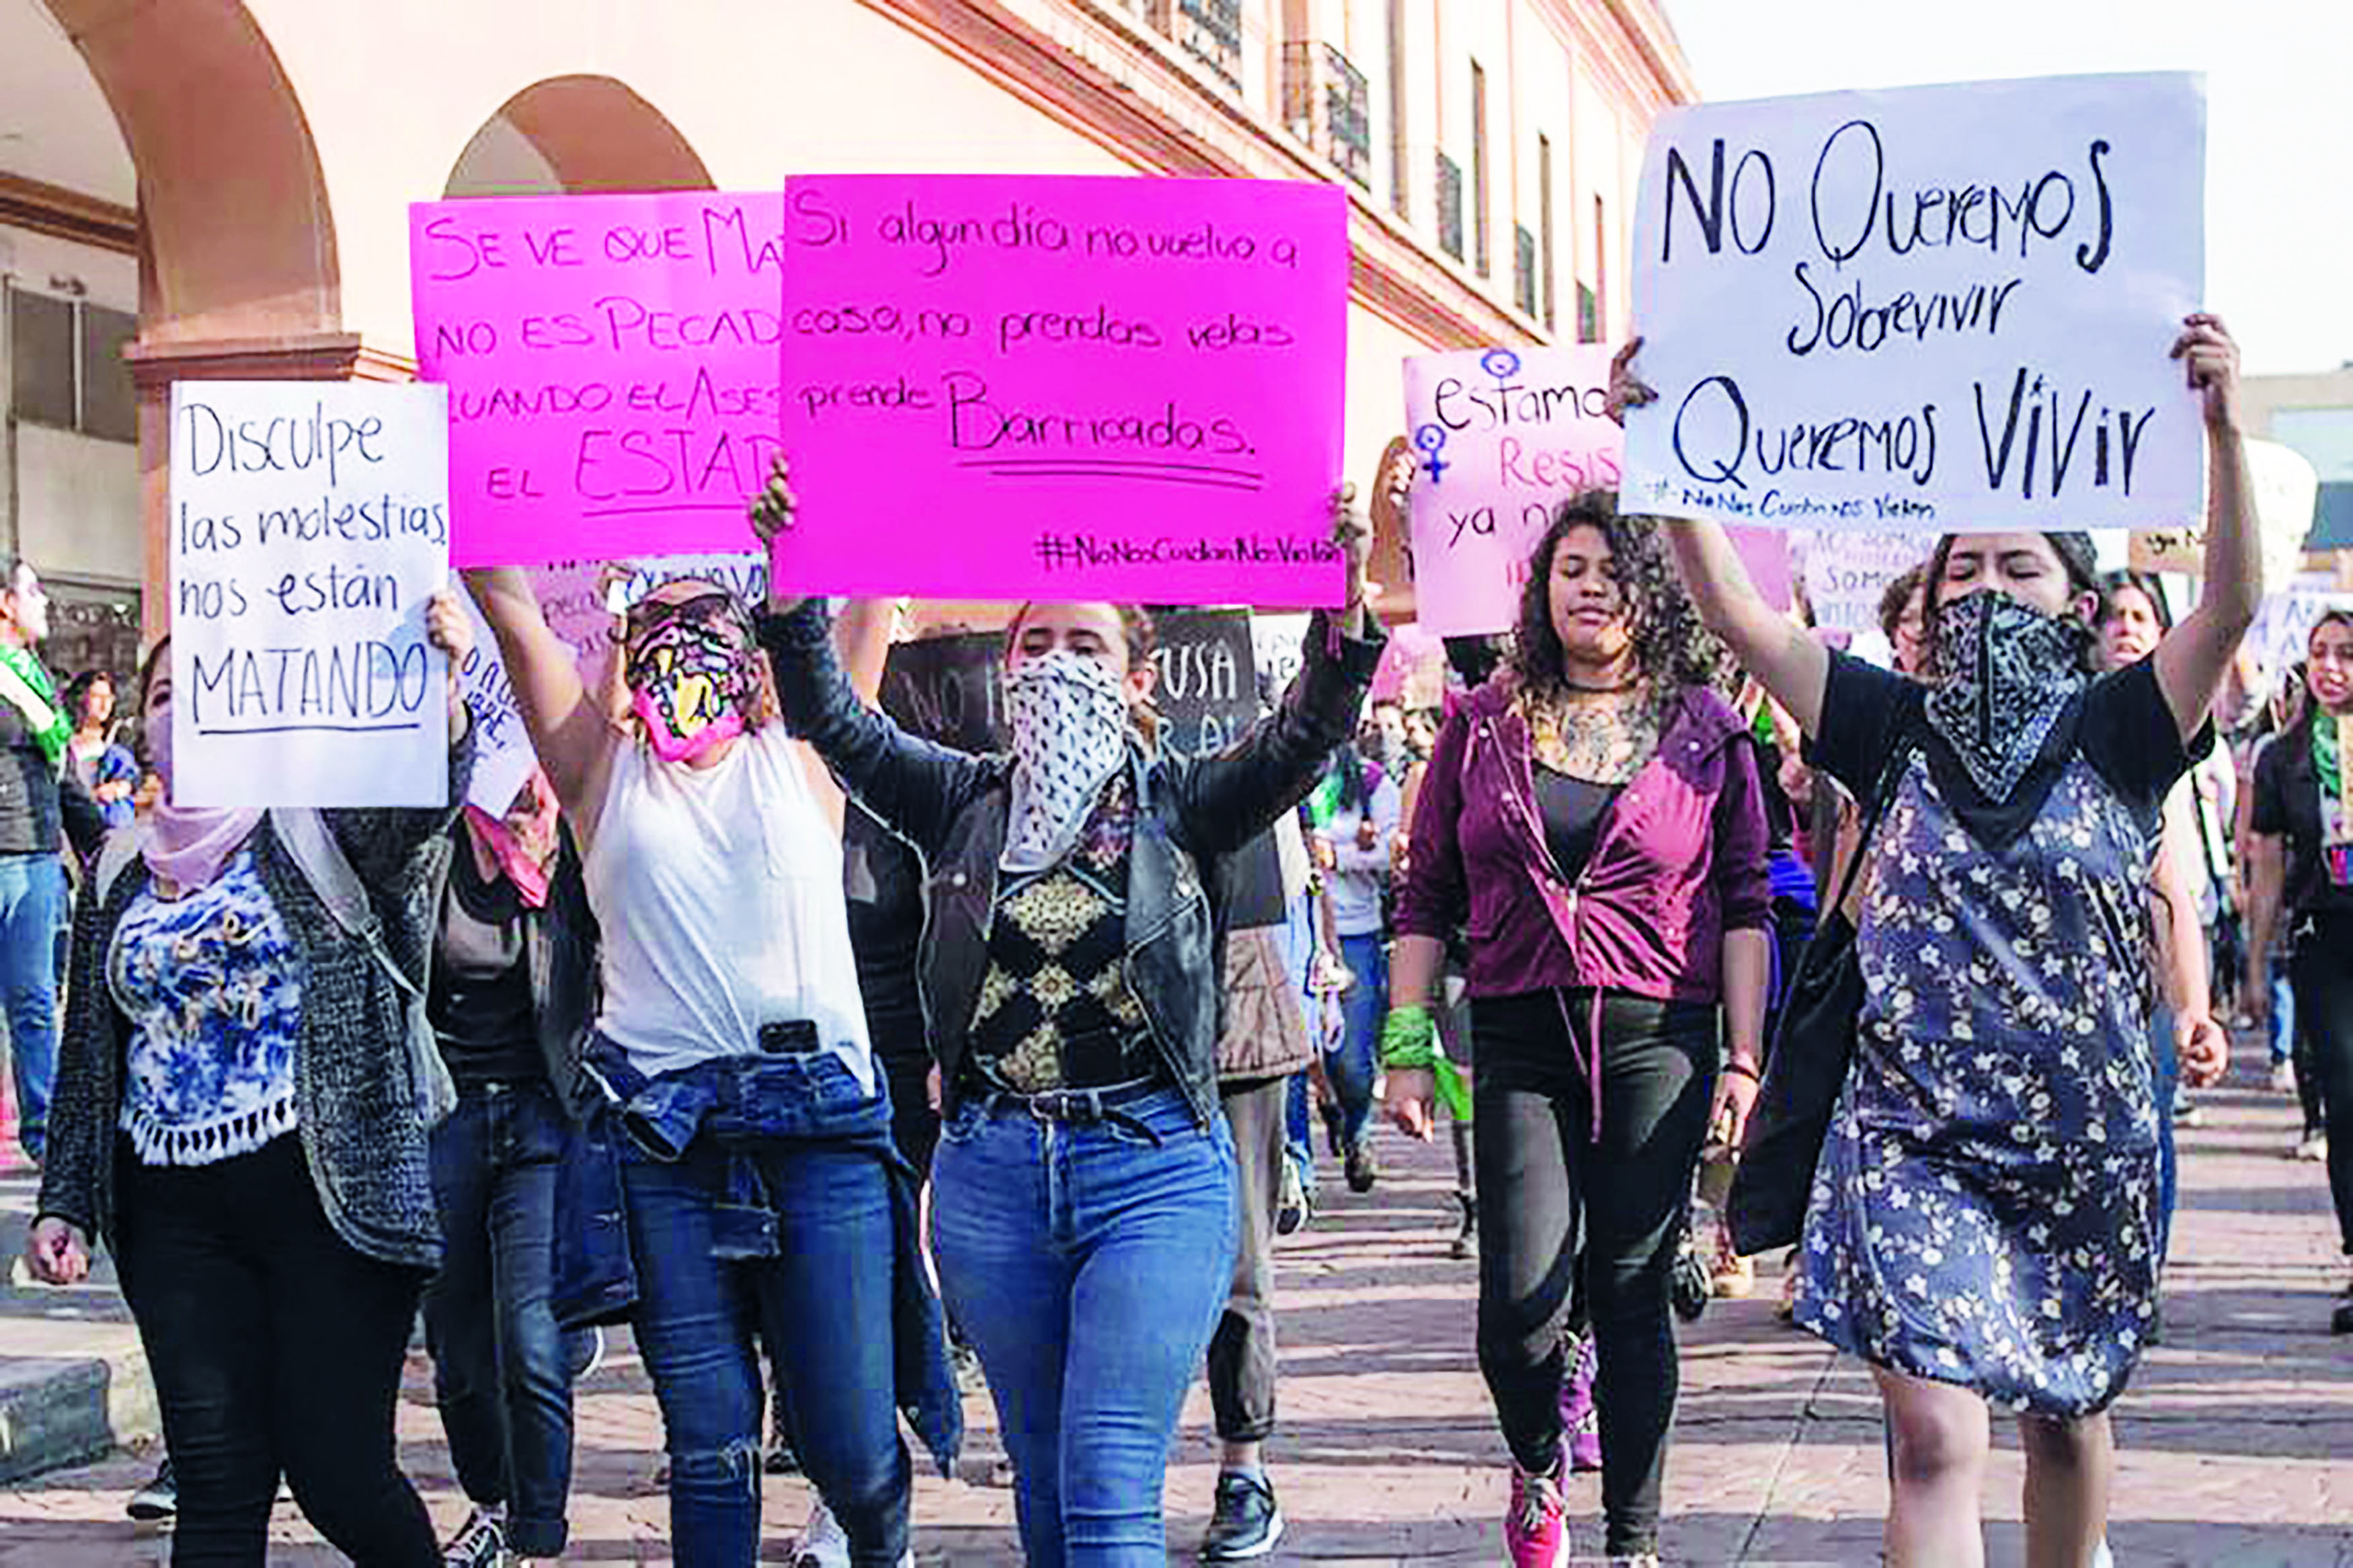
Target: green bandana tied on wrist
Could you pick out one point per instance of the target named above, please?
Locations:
(1410, 1044)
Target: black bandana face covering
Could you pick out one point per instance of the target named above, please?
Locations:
(2006, 673)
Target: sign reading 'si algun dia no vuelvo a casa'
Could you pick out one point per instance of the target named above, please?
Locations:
(1938, 309)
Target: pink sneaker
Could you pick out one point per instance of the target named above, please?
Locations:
(1536, 1531)
(1580, 1421)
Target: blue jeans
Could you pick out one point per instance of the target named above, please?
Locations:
(1300, 1124)
(1355, 1063)
(823, 1305)
(1089, 1265)
(32, 908)
(501, 1368)
(2283, 1017)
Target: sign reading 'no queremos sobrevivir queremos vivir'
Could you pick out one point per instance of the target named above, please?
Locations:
(1936, 309)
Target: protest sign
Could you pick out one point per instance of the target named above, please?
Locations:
(611, 363)
(1412, 671)
(309, 524)
(949, 689)
(1846, 573)
(503, 757)
(2282, 628)
(1501, 438)
(1934, 310)
(1207, 693)
(1279, 642)
(2286, 488)
(1064, 387)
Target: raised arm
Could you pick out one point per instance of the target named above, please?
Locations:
(571, 733)
(1787, 660)
(2196, 654)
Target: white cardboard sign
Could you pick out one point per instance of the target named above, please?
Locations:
(310, 525)
(1940, 308)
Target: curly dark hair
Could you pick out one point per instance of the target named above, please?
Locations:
(1672, 648)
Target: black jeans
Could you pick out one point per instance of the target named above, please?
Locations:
(501, 1368)
(2322, 974)
(276, 1348)
(1541, 1174)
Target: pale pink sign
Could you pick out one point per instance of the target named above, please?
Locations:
(1064, 387)
(1501, 438)
(611, 363)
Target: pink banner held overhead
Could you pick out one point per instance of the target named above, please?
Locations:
(1064, 387)
(611, 363)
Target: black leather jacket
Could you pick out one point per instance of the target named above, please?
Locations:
(953, 806)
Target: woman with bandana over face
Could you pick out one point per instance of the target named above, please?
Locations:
(1984, 1228)
(758, 1196)
(1083, 1193)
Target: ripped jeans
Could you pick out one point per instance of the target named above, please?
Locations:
(823, 1307)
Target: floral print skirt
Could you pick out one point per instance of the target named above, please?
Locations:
(1982, 1214)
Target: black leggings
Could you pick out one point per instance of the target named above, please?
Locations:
(2322, 974)
(275, 1349)
(1540, 1168)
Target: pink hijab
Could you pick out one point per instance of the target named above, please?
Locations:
(186, 845)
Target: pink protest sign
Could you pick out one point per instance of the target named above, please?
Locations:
(1064, 387)
(1502, 436)
(611, 363)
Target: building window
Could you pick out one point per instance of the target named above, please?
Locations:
(66, 365)
(1211, 32)
(1450, 206)
(1523, 270)
(1589, 316)
(1483, 251)
(1400, 173)
(1328, 103)
(1544, 261)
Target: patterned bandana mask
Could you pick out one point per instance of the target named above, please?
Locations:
(692, 683)
(1070, 736)
(2006, 671)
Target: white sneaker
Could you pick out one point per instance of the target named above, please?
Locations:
(2103, 1558)
(825, 1544)
(2283, 1077)
(2313, 1148)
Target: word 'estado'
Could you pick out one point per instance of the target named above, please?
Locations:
(213, 444)
(1852, 209)
(353, 685)
(1023, 226)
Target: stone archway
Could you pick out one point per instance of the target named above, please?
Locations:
(576, 135)
(238, 276)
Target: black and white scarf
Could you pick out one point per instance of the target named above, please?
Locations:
(2010, 686)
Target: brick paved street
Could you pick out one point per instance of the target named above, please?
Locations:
(2238, 1439)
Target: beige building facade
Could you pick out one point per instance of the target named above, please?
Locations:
(219, 188)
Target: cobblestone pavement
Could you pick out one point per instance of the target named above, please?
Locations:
(2237, 1438)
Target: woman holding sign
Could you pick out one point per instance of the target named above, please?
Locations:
(735, 1180)
(241, 1115)
(1593, 821)
(1983, 1229)
(1084, 1187)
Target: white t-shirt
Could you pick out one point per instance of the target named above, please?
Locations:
(718, 891)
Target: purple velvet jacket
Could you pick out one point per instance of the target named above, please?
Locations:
(1679, 860)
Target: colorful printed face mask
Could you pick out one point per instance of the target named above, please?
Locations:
(690, 674)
